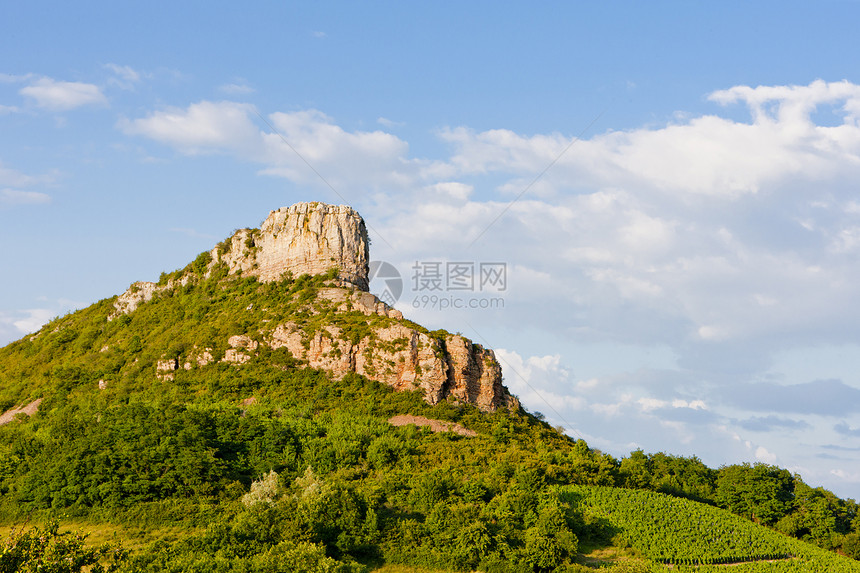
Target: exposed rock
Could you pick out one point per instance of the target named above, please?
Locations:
(164, 369)
(307, 238)
(29, 410)
(241, 341)
(400, 356)
(476, 376)
(136, 294)
(435, 425)
(199, 357)
(236, 356)
(141, 292)
(102, 384)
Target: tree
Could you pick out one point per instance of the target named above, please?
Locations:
(761, 492)
(48, 550)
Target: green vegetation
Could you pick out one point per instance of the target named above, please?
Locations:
(270, 466)
(49, 550)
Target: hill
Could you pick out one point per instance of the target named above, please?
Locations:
(246, 413)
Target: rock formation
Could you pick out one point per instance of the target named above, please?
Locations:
(449, 367)
(307, 238)
(313, 238)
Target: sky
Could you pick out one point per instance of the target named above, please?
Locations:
(651, 211)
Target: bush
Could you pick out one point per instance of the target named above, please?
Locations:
(48, 550)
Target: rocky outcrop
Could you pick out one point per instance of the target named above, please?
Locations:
(313, 239)
(401, 357)
(142, 292)
(240, 346)
(137, 293)
(307, 238)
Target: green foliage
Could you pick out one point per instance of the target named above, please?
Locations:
(762, 493)
(310, 475)
(687, 533)
(47, 550)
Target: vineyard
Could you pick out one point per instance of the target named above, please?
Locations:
(693, 536)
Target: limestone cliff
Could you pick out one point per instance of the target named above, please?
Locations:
(399, 355)
(307, 238)
(313, 238)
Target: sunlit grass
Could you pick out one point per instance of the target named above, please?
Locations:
(131, 537)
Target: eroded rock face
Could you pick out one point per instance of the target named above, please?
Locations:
(401, 357)
(307, 238)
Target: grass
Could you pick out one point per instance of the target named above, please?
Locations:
(393, 568)
(133, 538)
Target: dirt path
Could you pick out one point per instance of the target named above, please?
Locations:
(435, 425)
(29, 409)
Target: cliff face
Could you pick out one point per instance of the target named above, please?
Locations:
(399, 356)
(312, 238)
(307, 238)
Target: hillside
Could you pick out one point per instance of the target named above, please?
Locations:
(250, 413)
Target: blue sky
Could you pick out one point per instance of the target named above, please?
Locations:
(672, 187)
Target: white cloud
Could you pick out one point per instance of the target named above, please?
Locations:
(55, 95)
(4, 109)
(345, 158)
(236, 88)
(202, 127)
(385, 122)
(11, 181)
(126, 73)
(34, 320)
(452, 189)
(14, 325)
(306, 145)
(706, 155)
(762, 455)
(124, 77)
(15, 178)
(16, 197)
(650, 404)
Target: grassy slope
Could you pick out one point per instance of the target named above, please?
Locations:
(163, 463)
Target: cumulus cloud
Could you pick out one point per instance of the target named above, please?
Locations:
(763, 455)
(202, 127)
(55, 95)
(304, 146)
(540, 382)
(708, 156)
(33, 320)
